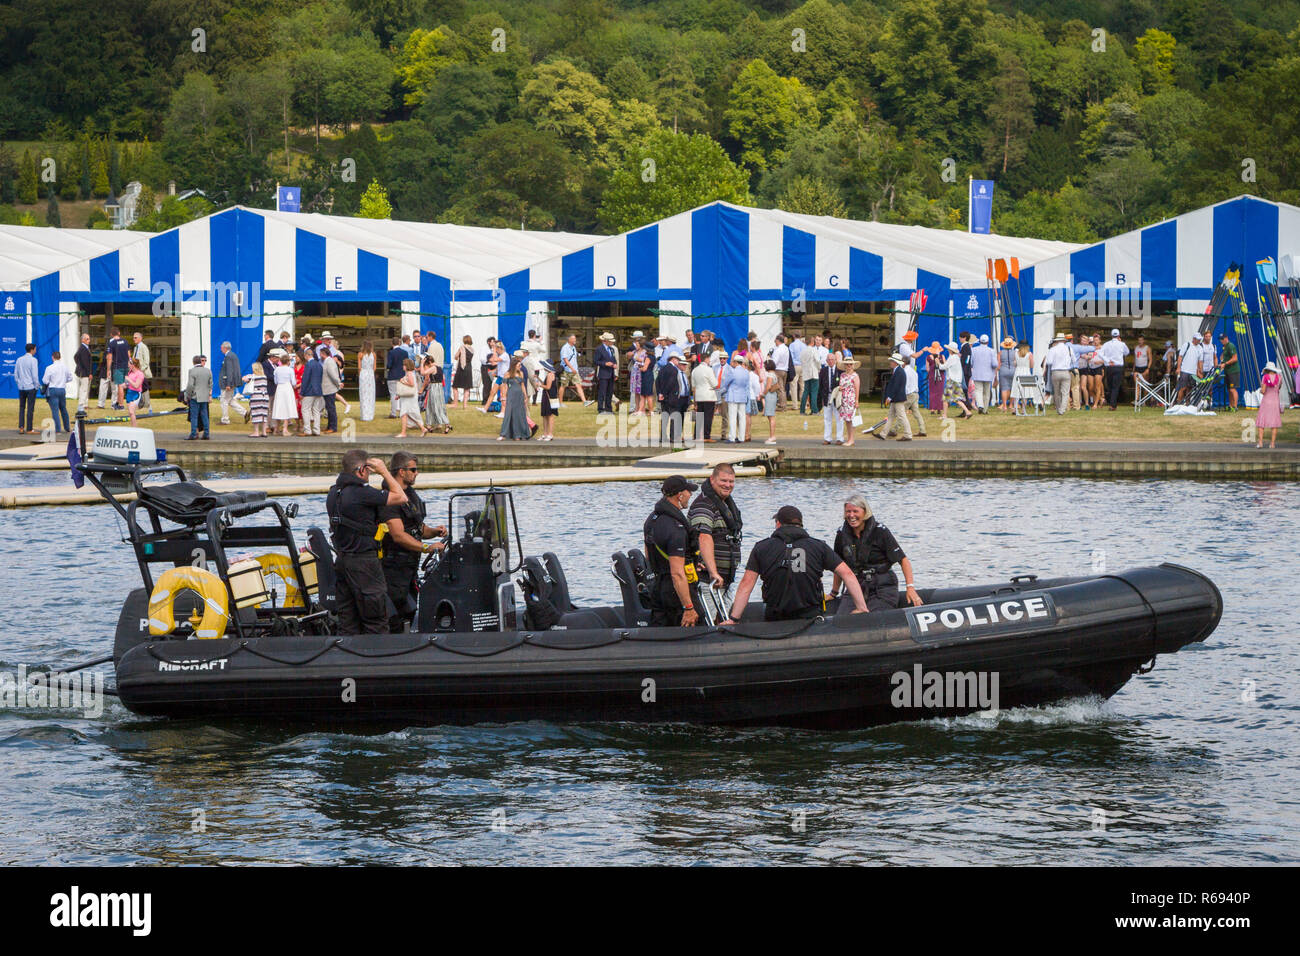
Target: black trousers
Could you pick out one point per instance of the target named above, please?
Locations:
(604, 394)
(400, 587)
(26, 407)
(880, 590)
(665, 607)
(361, 594)
(486, 372)
(1113, 375)
(331, 413)
(704, 419)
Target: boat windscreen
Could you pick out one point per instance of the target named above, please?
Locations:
(485, 516)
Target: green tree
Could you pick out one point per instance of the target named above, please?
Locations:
(101, 181)
(1124, 188)
(1062, 215)
(374, 202)
(567, 101)
(678, 96)
(917, 80)
(424, 55)
(27, 179)
(812, 196)
(52, 217)
(667, 173)
(357, 88)
(1154, 53)
(522, 176)
(763, 109)
(466, 97)
(1011, 113)
(627, 81)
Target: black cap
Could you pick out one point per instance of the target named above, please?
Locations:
(676, 484)
(789, 514)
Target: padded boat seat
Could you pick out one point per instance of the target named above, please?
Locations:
(188, 502)
(559, 583)
(636, 612)
(595, 618)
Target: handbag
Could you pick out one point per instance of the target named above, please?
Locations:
(402, 390)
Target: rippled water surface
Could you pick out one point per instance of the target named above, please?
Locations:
(1182, 766)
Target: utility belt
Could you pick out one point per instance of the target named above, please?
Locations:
(878, 576)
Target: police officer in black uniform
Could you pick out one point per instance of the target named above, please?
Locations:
(668, 549)
(871, 551)
(353, 506)
(405, 542)
(791, 564)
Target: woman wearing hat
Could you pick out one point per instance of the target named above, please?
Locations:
(1006, 371)
(640, 373)
(850, 388)
(1270, 406)
(933, 354)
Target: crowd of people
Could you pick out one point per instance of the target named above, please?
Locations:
(698, 386)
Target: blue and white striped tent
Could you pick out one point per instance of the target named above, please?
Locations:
(1181, 259)
(240, 271)
(731, 268)
(27, 253)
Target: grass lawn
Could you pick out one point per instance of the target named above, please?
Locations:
(577, 422)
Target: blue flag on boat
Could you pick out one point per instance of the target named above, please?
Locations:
(74, 459)
(981, 205)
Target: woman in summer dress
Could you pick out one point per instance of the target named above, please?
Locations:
(259, 402)
(462, 376)
(366, 380)
(285, 409)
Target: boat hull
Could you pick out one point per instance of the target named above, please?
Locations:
(991, 647)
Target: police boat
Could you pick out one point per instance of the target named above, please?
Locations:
(234, 619)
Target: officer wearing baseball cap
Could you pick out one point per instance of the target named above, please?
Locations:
(670, 552)
(791, 564)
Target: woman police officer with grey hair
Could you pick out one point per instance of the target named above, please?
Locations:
(870, 549)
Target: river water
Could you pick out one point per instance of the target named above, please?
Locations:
(1194, 763)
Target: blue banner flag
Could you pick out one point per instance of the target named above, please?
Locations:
(74, 459)
(981, 206)
(288, 199)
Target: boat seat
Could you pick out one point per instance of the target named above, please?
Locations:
(641, 568)
(592, 618)
(559, 583)
(326, 580)
(636, 613)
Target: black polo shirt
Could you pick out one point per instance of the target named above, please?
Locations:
(791, 564)
(358, 504)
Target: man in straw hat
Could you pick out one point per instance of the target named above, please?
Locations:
(1059, 359)
(896, 399)
(606, 368)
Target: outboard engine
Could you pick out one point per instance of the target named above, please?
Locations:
(470, 588)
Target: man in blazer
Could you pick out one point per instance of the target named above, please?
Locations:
(674, 393)
(85, 367)
(606, 369)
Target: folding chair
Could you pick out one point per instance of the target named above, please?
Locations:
(1159, 393)
(1030, 390)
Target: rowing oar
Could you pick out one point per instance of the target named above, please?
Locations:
(127, 418)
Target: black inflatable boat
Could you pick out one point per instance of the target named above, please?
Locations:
(500, 639)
